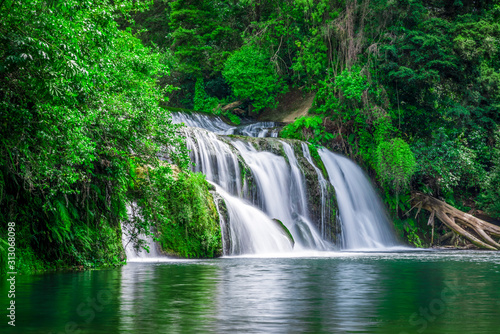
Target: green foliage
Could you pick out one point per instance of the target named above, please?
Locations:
(307, 128)
(209, 104)
(395, 163)
(79, 105)
(203, 102)
(319, 162)
(252, 78)
(326, 101)
(184, 213)
(203, 34)
(351, 83)
(232, 117)
(446, 164)
(489, 198)
(409, 230)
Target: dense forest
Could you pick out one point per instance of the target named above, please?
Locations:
(409, 89)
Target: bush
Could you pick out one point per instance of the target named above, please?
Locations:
(395, 163)
(183, 212)
(445, 164)
(490, 192)
(252, 77)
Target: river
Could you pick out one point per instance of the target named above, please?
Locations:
(316, 292)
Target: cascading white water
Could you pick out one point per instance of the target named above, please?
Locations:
(216, 125)
(277, 190)
(297, 186)
(260, 130)
(214, 158)
(281, 192)
(211, 123)
(131, 253)
(251, 230)
(142, 254)
(364, 222)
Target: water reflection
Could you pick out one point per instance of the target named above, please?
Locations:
(173, 298)
(362, 293)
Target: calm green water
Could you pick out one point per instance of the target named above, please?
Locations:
(418, 292)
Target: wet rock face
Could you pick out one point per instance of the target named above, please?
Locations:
(220, 204)
(322, 203)
(323, 211)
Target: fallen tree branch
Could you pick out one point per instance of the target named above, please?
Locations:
(460, 222)
(231, 105)
(446, 236)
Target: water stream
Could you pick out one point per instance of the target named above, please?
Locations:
(365, 224)
(262, 180)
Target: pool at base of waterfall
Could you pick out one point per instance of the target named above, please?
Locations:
(319, 292)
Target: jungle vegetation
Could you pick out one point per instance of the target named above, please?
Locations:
(81, 136)
(410, 89)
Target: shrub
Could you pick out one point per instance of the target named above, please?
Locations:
(252, 77)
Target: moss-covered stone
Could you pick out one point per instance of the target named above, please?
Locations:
(192, 229)
(285, 231)
(224, 221)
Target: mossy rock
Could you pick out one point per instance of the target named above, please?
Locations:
(224, 221)
(192, 229)
(285, 231)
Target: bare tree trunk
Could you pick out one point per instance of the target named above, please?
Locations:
(477, 231)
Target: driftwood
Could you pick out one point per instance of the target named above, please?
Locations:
(231, 106)
(477, 231)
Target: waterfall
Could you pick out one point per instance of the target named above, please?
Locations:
(142, 254)
(281, 192)
(139, 255)
(251, 230)
(278, 191)
(257, 186)
(364, 221)
(262, 179)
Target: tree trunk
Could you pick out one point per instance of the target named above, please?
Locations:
(477, 231)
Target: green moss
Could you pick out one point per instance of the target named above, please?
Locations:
(90, 247)
(192, 227)
(245, 172)
(317, 159)
(285, 230)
